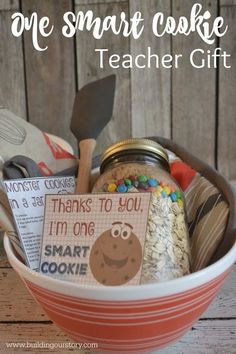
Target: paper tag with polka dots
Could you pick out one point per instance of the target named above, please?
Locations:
(95, 239)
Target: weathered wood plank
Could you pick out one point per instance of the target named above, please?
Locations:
(227, 102)
(194, 91)
(50, 74)
(227, 2)
(12, 88)
(89, 70)
(7, 5)
(151, 87)
(233, 183)
(211, 337)
(92, 2)
(16, 302)
(34, 333)
(224, 305)
(25, 308)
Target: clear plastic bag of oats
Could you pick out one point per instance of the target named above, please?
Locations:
(142, 165)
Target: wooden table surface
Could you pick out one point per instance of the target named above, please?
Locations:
(22, 320)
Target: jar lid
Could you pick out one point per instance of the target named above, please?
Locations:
(136, 144)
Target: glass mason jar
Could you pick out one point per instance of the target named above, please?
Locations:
(142, 165)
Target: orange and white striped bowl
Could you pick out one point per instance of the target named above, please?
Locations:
(126, 319)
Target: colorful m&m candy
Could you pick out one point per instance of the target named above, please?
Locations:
(144, 183)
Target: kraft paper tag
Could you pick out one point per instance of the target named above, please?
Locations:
(96, 238)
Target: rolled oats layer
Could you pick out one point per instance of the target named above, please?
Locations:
(167, 252)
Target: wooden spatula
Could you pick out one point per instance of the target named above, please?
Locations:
(93, 108)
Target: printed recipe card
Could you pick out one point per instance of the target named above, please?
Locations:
(26, 198)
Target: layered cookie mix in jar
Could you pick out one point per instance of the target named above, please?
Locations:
(142, 165)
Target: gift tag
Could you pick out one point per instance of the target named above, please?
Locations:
(95, 238)
(26, 198)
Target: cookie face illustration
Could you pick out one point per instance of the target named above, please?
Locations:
(116, 256)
